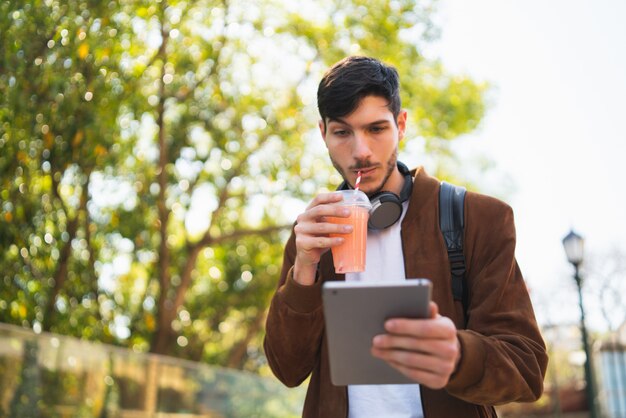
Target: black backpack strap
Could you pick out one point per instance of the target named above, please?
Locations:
(451, 222)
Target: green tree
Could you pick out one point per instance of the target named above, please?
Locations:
(148, 205)
(61, 91)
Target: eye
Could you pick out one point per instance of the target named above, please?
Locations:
(340, 132)
(377, 129)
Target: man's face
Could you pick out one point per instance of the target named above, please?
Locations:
(366, 140)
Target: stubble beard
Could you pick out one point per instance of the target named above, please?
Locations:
(390, 166)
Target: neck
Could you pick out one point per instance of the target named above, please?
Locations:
(395, 182)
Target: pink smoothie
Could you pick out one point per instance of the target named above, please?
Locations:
(350, 256)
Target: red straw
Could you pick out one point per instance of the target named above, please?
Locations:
(358, 181)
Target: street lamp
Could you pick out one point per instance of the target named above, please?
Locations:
(574, 245)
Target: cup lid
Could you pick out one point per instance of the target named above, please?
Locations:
(355, 198)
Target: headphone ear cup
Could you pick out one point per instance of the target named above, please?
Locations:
(387, 206)
(386, 210)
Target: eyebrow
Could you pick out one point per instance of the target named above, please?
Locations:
(343, 122)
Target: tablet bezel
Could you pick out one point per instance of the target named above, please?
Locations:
(355, 312)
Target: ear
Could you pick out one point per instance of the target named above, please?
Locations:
(322, 127)
(401, 124)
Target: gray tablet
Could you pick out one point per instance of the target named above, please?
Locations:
(354, 313)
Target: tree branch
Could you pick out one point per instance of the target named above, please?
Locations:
(245, 232)
(163, 212)
(60, 275)
(238, 353)
(185, 280)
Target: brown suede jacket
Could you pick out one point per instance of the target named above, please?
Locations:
(503, 354)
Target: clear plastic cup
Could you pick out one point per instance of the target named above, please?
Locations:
(349, 257)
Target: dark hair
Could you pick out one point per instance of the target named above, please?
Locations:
(353, 78)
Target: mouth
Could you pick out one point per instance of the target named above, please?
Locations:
(367, 174)
(364, 171)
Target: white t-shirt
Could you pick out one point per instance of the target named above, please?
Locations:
(384, 262)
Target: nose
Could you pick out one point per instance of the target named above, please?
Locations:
(361, 149)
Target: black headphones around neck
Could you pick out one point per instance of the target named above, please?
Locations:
(387, 206)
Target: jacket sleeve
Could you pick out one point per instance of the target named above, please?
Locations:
(503, 354)
(295, 325)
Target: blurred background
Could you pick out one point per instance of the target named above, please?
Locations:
(153, 155)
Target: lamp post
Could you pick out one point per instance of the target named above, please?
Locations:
(574, 245)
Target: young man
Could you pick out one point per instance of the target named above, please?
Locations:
(458, 371)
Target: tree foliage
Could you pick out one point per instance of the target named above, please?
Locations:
(151, 152)
(603, 275)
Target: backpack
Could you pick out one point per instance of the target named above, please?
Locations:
(451, 223)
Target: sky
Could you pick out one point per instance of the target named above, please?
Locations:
(554, 127)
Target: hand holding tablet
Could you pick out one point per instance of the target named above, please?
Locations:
(427, 351)
(355, 313)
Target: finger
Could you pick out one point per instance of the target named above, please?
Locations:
(414, 360)
(421, 376)
(322, 228)
(446, 350)
(321, 212)
(325, 198)
(434, 309)
(439, 327)
(309, 243)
